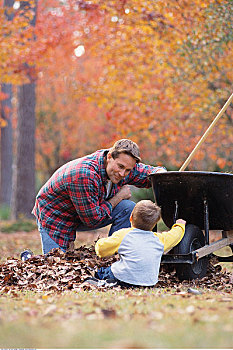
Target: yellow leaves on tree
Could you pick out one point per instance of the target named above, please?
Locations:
(155, 71)
(15, 43)
(168, 61)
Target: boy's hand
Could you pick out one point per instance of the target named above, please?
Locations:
(181, 221)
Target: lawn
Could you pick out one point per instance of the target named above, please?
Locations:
(90, 317)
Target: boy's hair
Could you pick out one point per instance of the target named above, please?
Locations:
(145, 215)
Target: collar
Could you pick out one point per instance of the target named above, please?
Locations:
(102, 164)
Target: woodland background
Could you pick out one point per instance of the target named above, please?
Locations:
(77, 75)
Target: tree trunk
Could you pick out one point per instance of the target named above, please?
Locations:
(24, 167)
(6, 133)
(6, 148)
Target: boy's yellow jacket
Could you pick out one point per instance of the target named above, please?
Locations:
(109, 245)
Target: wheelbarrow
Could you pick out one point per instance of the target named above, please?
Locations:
(205, 201)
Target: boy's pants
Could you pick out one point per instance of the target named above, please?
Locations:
(105, 273)
(119, 219)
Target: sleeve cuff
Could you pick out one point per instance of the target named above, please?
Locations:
(107, 206)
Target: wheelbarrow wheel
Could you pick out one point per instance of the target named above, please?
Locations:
(192, 240)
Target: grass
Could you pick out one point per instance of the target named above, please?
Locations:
(116, 319)
(4, 212)
(139, 318)
(9, 226)
(18, 226)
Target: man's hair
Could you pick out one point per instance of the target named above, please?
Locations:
(125, 146)
(145, 215)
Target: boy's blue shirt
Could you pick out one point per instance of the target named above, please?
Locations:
(140, 255)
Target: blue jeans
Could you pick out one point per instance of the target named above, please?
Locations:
(105, 273)
(46, 241)
(119, 219)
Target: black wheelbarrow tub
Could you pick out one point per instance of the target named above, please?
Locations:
(187, 192)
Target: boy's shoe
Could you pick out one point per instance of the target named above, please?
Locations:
(111, 283)
(91, 279)
(95, 281)
(101, 283)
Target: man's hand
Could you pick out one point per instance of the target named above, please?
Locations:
(124, 193)
(181, 221)
(161, 170)
(70, 247)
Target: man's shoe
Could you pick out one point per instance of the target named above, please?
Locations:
(26, 254)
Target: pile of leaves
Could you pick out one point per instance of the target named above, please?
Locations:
(215, 279)
(58, 271)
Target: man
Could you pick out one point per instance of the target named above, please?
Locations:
(89, 193)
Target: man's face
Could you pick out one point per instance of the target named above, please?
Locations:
(117, 169)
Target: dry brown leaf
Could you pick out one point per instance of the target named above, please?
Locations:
(109, 313)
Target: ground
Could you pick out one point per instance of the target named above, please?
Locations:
(167, 316)
(12, 244)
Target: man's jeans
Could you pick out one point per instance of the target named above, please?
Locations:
(46, 241)
(119, 219)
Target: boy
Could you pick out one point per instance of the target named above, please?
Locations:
(139, 248)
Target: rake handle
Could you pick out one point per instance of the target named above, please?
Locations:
(218, 116)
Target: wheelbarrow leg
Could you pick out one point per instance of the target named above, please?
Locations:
(231, 245)
(176, 212)
(206, 221)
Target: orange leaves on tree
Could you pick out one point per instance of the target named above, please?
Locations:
(166, 61)
(156, 72)
(15, 43)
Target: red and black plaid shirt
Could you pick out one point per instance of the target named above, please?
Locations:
(76, 193)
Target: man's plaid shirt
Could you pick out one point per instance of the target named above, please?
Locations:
(76, 194)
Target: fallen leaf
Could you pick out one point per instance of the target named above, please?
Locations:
(190, 309)
(226, 299)
(109, 313)
(50, 310)
(194, 291)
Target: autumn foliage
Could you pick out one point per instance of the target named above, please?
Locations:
(157, 72)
